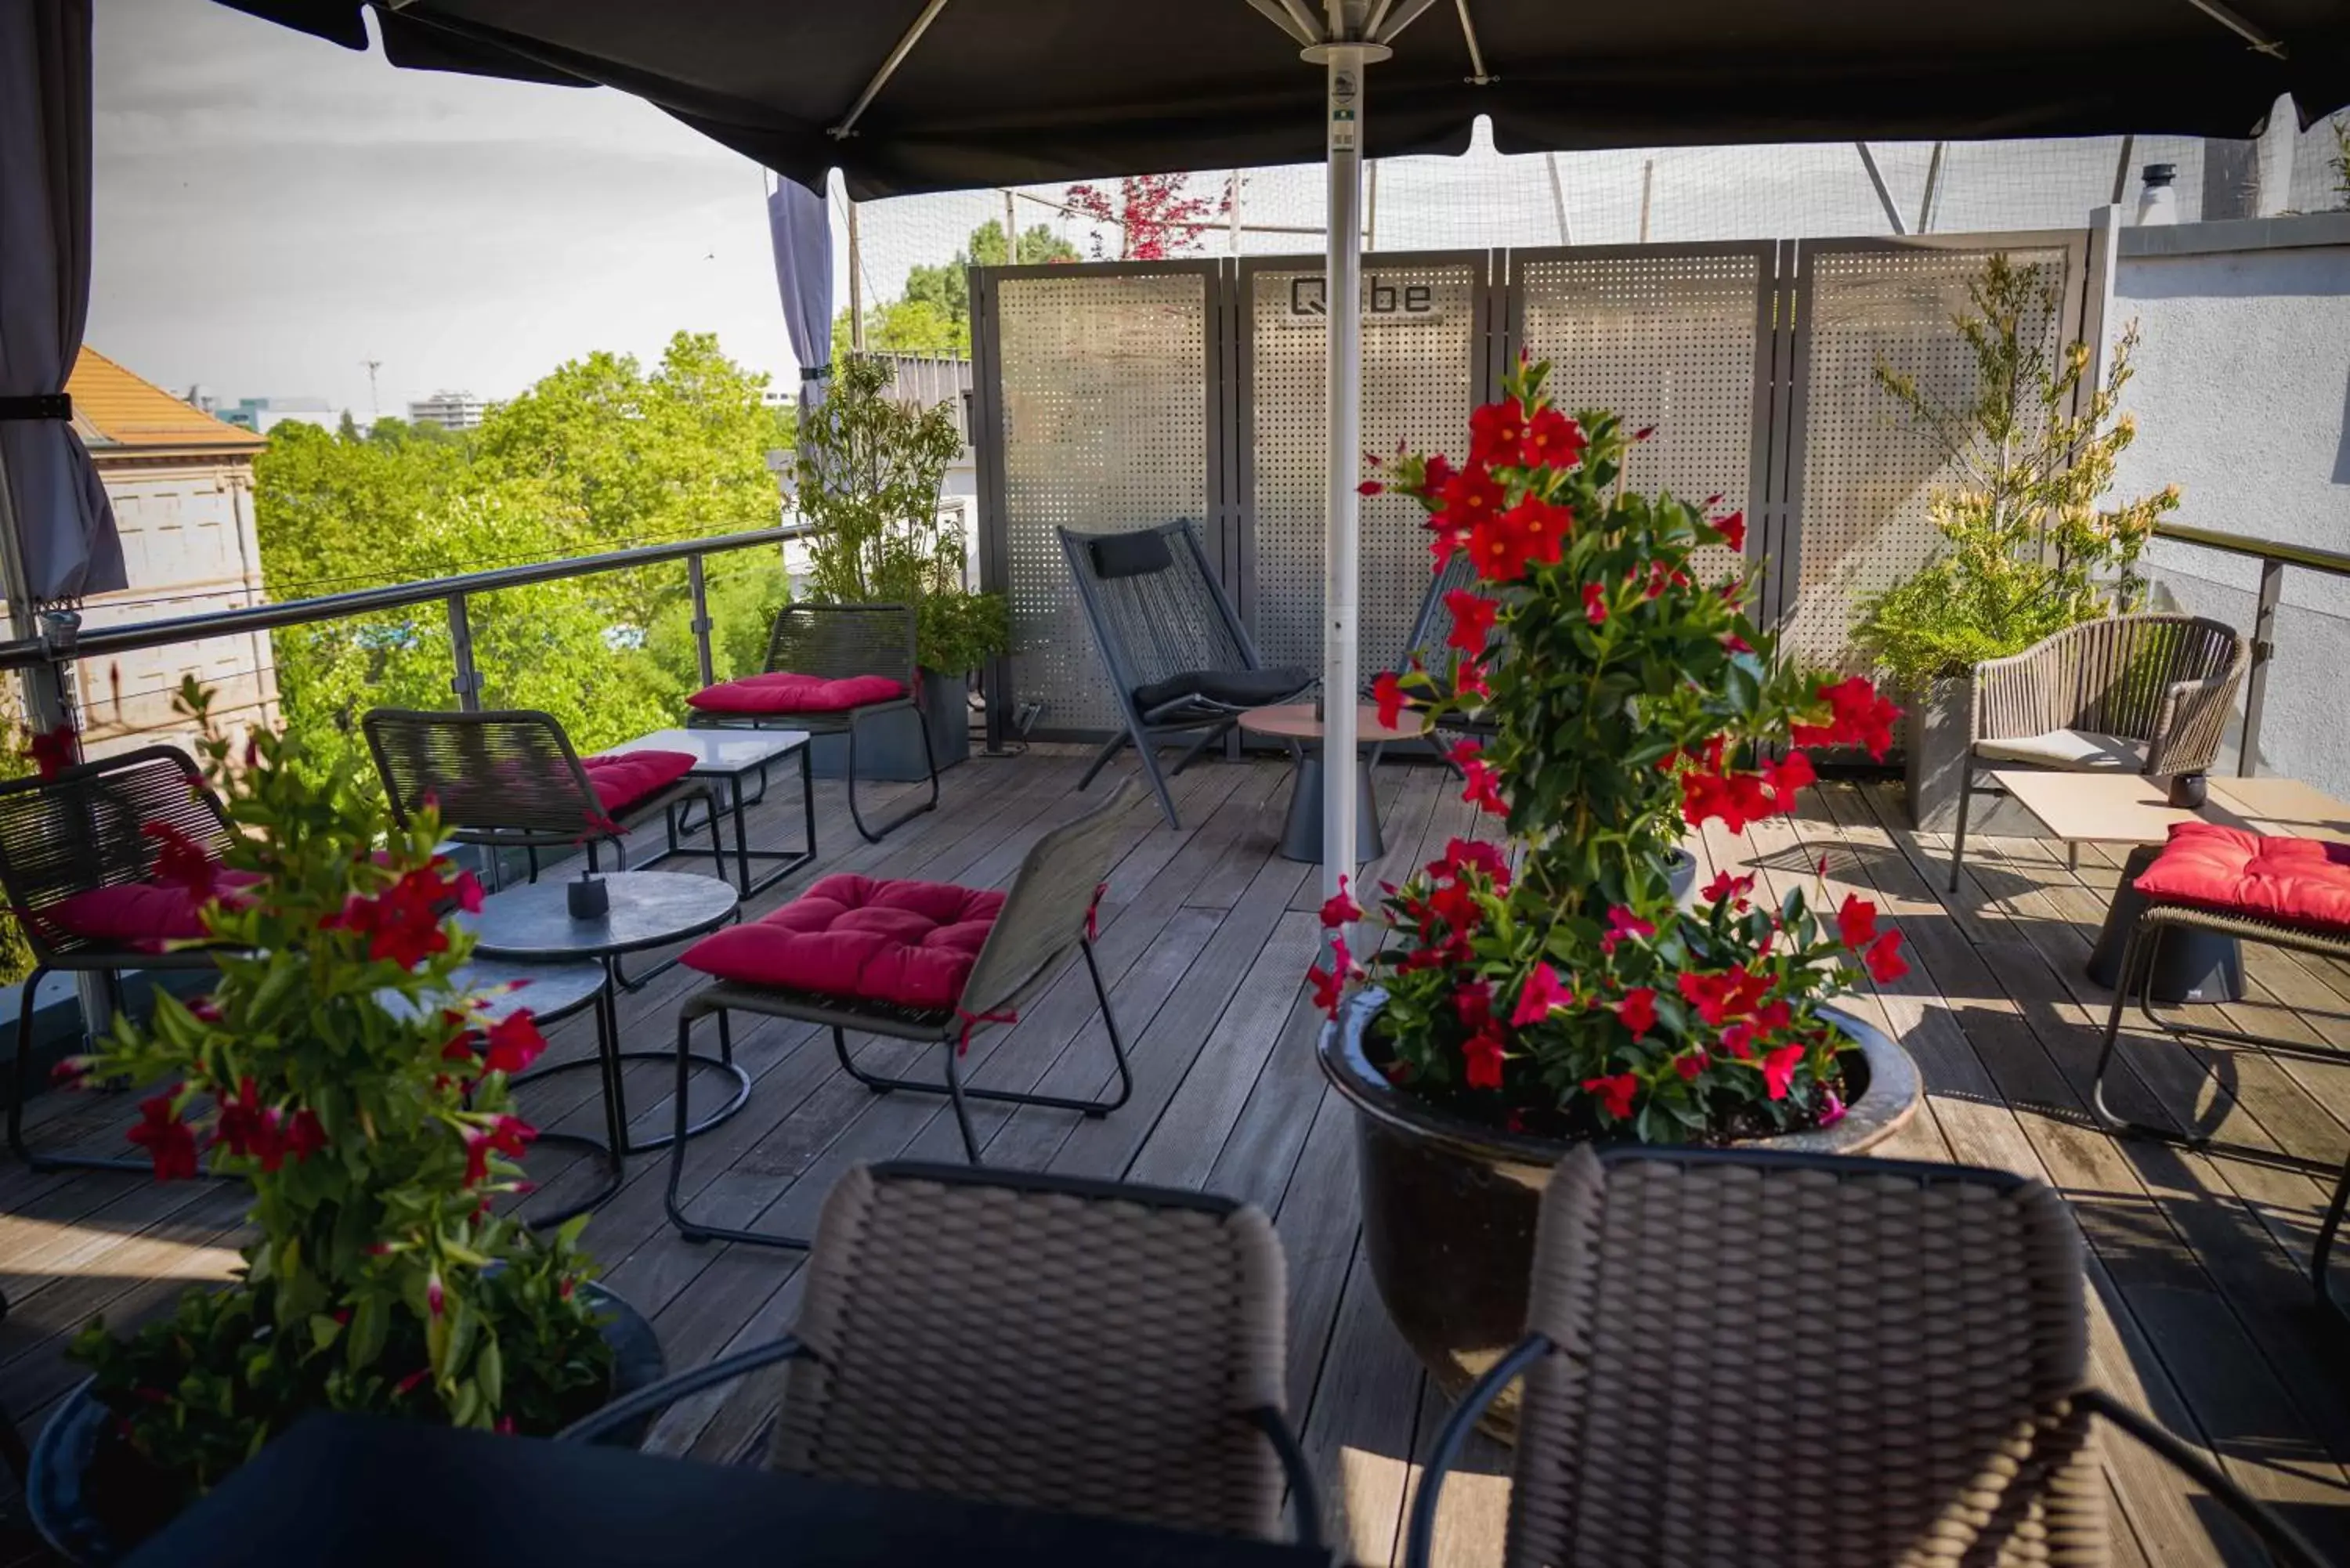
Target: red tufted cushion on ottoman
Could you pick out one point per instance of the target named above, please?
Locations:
(2300, 881)
(910, 943)
(783, 693)
(623, 778)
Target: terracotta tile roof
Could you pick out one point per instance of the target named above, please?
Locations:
(114, 408)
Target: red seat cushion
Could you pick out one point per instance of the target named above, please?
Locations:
(910, 943)
(2301, 881)
(623, 778)
(783, 693)
(142, 915)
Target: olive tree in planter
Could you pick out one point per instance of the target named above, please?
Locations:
(340, 1067)
(866, 479)
(1521, 1003)
(2030, 547)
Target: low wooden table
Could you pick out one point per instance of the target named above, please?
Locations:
(2130, 808)
(1300, 724)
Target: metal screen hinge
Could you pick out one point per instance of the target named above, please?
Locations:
(466, 684)
(2263, 649)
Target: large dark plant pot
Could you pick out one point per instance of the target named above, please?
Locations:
(891, 747)
(1449, 1204)
(1934, 768)
(57, 1490)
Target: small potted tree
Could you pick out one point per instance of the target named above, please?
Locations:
(339, 1067)
(866, 478)
(2030, 546)
(1541, 987)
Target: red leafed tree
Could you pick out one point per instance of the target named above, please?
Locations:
(1156, 215)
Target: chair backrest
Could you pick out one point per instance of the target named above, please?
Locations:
(85, 827)
(1046, 907)
(835, 641)
(1789, 1361)
(1080, 1346)
(2111, 675)
(514, 770)
(1155, 606)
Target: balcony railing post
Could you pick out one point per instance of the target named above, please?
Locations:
(700, 588)
(467, 682)
(2256, 683)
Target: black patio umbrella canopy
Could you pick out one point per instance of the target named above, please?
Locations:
(906, 95)
(1006, 92)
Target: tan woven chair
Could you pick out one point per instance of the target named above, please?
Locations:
(1038, 1340)
(1780, 1360)
(2135, 694)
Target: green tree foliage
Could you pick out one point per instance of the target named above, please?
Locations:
(2029, 547)
(600, 455)
(933, 315)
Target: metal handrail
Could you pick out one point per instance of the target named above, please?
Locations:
(2274, 558)
(25, 652)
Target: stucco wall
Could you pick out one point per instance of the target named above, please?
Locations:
(2242, 398)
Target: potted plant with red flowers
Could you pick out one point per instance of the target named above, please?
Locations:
(341, 1066)
(1545, 991)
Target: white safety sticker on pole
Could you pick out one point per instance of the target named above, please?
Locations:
(1343, 89)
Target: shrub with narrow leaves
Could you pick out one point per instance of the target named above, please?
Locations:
(1554, 985)
(339, 1066)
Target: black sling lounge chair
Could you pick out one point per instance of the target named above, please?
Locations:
(1177, 653)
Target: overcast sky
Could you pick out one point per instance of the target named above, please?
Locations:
(271, 211)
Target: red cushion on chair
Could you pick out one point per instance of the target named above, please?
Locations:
(783, 693)
(142, 915)
(2302, 881)
(910, 943)
(623, 778)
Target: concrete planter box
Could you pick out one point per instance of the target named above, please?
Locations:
(891, 747)
(1934, 743)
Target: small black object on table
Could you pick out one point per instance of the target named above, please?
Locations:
(531, 925)
(731, 758)
(354, 1492)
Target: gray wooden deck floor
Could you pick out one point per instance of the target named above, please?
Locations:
(2201, 1312)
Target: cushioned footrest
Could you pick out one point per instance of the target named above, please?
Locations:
(621, 779)
(907, 944)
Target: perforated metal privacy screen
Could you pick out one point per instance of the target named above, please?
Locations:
(1102, 400)
(1669, 336)
(1423, 351)
(1867, 472)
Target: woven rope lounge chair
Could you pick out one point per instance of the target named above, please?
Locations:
(2138, 694)
(1178, 656)
(510, 779)
(831, 668)
(924, 961)
(1779, 1360)
(79, 862)
(1428, 643)
(1036, 1341)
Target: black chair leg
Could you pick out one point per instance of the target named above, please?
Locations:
(929, 761)
(1958, 839)
(671, 1203)
(1149, 754)
(1191, 752)
(1109, 748)
(2327, 1233)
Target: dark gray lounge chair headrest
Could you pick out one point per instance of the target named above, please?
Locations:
(1130, 555)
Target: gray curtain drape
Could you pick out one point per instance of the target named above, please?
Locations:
(801, 228)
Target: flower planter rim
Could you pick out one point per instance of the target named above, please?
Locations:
(1891, 1098)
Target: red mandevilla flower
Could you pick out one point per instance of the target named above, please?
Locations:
(1725, 886)
(1857, 921)
(1615, 1092)
(55, 750)
(1779, 1069)
(1622, 924)
(1482, 1054)
(1885, 961)
(304, 1134)
(508, 1135)
(1340, 908)
(1594, 604)
(1859, 717)
(1497, 432)
(1539, 996)
(1551, 440)
(182, 861)
(1732, 530)
(514, 1042)
(1482, 786)
(170, 1142)
(1784, 777)
(1369, 487)
(1473, 620)
(1389, 694)
(1638, 1010)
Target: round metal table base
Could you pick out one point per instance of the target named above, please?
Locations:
(1301, 831)
(2189, 966)
(616, 1162)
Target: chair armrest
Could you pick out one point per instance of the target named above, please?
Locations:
(1421, 1538)
(2190, 725)
(669, 1390)
(2285, 1543)
(1305, 1497)
(2007, 698)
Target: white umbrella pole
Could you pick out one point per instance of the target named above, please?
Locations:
(1342, 298)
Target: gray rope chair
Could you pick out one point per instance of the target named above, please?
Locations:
(83, 830)
(510, 779)
(1428, 641)
(835, 642)
(1781, 1360)
(1047, 910)
(1178, 656)
(2138, 694)
(1034, 1341)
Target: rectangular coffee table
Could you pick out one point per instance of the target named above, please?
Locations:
(2130, 808)
(730, 757)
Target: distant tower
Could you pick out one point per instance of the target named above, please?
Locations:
(375, 402)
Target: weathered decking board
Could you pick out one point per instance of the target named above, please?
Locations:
(2199, 1312)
